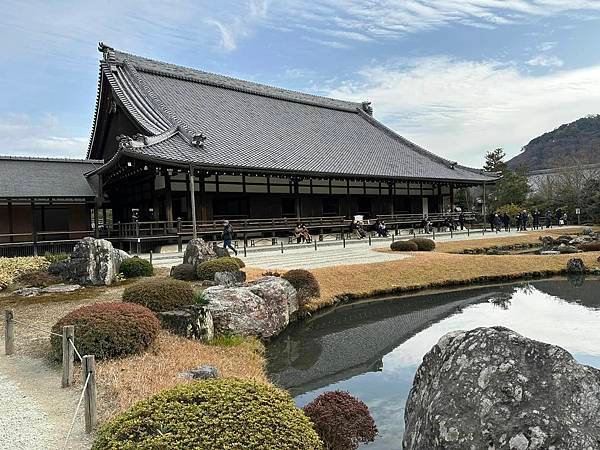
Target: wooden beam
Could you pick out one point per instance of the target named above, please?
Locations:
(168, 199)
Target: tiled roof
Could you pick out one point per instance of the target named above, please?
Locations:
(22, 177)
(249, 125)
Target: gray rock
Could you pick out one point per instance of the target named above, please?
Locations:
(221, 252)
(183, 272)
(261, 308)
(566, 249)
(192, 322)
(197, 251)
(57, 268)
(230, 278)
(493, 388)
(93, 262)
(53, 289)
(120, 256)
(575, 265)
(587, 231)
(549, 252)
(201, 373)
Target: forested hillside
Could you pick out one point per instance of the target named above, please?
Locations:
(576, 141)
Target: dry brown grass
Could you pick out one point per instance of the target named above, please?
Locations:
(126, 381)
(425, 270)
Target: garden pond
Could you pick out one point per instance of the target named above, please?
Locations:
(372, 348)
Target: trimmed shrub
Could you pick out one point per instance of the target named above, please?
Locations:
(590, 247)
(404, 246)
(160, 294)
(12, 268)
(207, 269)
(424, 244)
(39, 278)
(136, 267)
(212, 414)
(183, 272)
(342, 421)
(241, 264)
(108, 330)
(305, 284)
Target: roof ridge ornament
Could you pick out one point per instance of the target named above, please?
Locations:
(366, 107)
(107, 52)
(198, 140)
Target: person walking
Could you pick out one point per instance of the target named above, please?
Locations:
(228, 235)
(506, 221)
(548, 219)
(461, 220)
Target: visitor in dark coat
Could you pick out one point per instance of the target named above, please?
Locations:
(461, 220)
(228, 235)
(548, 219)
(506, 221)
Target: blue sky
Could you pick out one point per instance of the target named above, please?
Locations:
(458, 77)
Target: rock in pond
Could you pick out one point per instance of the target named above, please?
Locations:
(197, 251)
(93, 262)
(491, 388)
(575, 265)
(261, 308)
(192, 322)
(230, 278)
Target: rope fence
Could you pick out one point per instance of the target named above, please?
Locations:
(69, 350)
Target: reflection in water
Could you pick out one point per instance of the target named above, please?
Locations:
(372, 349)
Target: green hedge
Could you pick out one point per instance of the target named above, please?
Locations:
(212, 415)
(136, 267)
(108, 330)
(207, 269)
(424, 244)
(160, 294)
(305, 283)
(404, 246)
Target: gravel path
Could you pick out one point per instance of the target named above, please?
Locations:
(36, 413)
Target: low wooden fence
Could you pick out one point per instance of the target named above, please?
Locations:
(69, 350)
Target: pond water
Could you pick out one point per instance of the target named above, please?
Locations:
(373, 348)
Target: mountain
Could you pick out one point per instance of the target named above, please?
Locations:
(573, 142)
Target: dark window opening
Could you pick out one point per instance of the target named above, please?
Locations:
(230, 208)
(364, 207)
(288, 207)
(331, 206)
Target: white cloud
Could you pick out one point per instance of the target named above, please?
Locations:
(545, 61)
(227, 35)
(547, 46)
(393, 18)
(21, 135)
(460, 109)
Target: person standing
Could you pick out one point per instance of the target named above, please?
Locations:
(461, 220)
(548, 219)
(228, 235)
(506, 221)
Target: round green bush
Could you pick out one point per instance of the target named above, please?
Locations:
(183, 272)
(136, 267)
(212, 415)
(160, 294)
(108, 330)
(424, 244)
(207, 269)
(241, 264)
(305, 284)
(404, 246)
(343, 422)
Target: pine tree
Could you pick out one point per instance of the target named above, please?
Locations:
(494, 161)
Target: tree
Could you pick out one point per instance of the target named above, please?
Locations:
(494, 161)
(512, 187)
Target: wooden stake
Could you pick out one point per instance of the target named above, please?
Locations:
(9, 332)
(68, 355)
(90, 412)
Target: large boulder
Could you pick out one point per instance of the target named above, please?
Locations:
(192, 322)
(575, 266)
(491, 388)
(93, 262)
(197, 251)
(261, 308)
(230, 278)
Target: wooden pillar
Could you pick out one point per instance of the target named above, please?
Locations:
(297, 201)
(193, 202)
(451, 197)
(484, 208)
(168, 199)
(391, 196)
(10, 220)
(155, 202)
(33, 229)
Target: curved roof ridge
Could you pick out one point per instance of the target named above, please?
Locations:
(96, 110)
(198, 76)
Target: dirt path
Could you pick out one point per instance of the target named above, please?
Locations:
(36, 413)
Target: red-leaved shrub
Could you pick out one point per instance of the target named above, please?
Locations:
(590, 247)
(341, 421)
(305, 283)
(108, 330)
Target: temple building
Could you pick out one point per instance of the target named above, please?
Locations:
(169, 143)
(254, 151)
